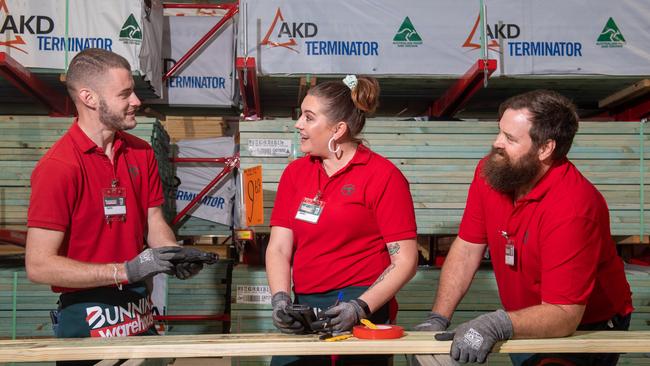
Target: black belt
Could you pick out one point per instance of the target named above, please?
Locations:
(618, 322)
(106, 295)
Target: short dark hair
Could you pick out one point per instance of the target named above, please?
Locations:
(349, 105)
(553, 117)
(91, 64)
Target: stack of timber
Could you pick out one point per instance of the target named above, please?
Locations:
(24, 306)
(439, 158)
(251, 308)
(187, 128)
(416, 297)
(25, 139)
(191, 226)
(206, 294)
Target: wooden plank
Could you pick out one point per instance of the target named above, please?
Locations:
(633, 239)
(186, 127)
(10, 249)
(234, 345)
(635, 90)
(445, 127)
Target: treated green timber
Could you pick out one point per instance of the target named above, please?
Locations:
(439, 159)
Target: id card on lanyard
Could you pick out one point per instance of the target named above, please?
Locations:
(310, 209)
(509, 249)
(114, 201)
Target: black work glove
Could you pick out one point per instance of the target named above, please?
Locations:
(151, 262)
(473, 340)
(189, 262)
(346, 315)
(193, 255)
(187, 270)
(433, 323)
(281, 319)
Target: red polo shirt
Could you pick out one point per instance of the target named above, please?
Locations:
(564, 252)
(367, 205)
(67, 195)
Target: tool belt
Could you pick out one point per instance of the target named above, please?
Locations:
(104, 312)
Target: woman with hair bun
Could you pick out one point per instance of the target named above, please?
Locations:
(343, 224)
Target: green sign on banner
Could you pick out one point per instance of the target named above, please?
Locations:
(131, 32)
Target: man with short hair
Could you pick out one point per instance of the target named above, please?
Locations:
(95, 201)
(547, 230)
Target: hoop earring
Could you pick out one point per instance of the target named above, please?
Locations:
(329, 146)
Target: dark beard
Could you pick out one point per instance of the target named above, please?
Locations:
(110, 119)
(505, 176)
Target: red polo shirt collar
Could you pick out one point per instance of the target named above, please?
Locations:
(553, 175)
(361, 157)
(86, 145)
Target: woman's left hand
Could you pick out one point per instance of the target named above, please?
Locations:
(346, 315)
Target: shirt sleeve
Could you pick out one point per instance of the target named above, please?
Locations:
(394, 209)
(472, 226)
(53, 195)
(156, 197)
(570, 255)
(281, 214)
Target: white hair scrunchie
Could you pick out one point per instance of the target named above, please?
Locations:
(350, 81)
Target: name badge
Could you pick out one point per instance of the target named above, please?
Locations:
(114, 203)
(509, 249)
(310, 210)
(510, 254)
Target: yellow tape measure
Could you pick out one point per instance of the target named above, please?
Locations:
(338, 338)
(368, 323)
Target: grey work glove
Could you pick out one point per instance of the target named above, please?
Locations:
(473, 340)
(151, 262)
(346, 315)
(433, 323)
(281, 319)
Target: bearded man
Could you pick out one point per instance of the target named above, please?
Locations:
(547, 230)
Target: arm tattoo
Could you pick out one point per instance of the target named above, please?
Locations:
(393, 248)
(383, 275)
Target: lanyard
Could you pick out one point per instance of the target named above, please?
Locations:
(319, 192)
(510, 249)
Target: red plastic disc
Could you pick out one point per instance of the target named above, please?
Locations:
(382, 332)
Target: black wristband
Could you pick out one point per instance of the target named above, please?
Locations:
(363, 306)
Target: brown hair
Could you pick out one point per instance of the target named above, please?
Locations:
(350, 106)
(90, 65)
(553, 117)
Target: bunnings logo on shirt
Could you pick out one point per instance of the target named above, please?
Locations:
(406, 35)
(611, 36)
(131, 33)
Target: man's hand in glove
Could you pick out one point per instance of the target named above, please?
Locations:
(281, 319)
(151, 262)
(346, 315)
(185, 270)
(189, 261)
(433, 323)
(474, 339)
(193, 255)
